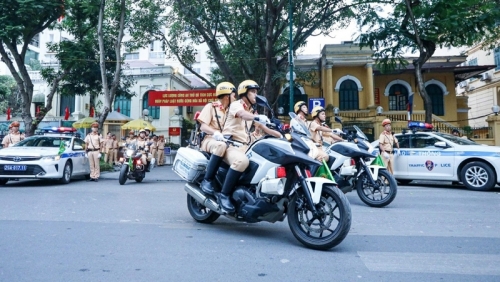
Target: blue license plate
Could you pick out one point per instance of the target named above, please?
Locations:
(14, 167)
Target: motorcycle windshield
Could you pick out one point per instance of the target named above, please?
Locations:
(360, 133)
(298, 125)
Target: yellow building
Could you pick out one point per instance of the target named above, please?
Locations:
(344, 75)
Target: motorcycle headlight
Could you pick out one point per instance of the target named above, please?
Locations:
(51, 158)
(130, 152)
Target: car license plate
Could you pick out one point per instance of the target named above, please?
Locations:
(14, 167)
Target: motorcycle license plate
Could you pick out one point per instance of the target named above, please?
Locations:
(15, 167)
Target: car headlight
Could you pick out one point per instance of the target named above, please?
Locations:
(51, 158)
(130, 152)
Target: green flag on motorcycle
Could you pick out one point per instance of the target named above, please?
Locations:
(378, 161)
(324, 171)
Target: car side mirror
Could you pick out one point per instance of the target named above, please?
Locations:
(441, 144)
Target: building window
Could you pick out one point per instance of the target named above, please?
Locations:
(398, 98)
(30, 55)
(131, 56)
(67, 101)
(154, 112)
(36, 40)
(497, 58)
(348, 95)
(284, 99)
(437, 98)
(123, 102)
(473, 62)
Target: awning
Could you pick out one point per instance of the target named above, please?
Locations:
(38, 98)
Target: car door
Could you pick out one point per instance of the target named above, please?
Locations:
(79, 159)
(428, 161)
(401, 160)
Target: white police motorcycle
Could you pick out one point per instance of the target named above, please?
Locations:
(277, 184)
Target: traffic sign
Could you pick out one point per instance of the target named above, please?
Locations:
(167, 151)
(314, 102)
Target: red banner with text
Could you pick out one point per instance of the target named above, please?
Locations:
(181, 97)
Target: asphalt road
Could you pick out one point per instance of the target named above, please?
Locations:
(88, 231)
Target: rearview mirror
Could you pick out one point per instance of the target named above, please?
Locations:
(441, 144)
(338, 119)
(262, 101)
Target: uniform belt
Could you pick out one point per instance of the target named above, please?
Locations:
(389, 152)
(95, 149)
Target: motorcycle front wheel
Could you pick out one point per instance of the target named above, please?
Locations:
(123, 174)
(329, 227)
(377, 197)
(199, 212)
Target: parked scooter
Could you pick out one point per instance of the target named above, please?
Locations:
(375, 186)
(276, 185)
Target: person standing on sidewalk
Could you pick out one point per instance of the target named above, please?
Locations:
(387, 143)
(113, 150)
(108, 145)
(14, 135)
(93, 146)
(161, 151)
(154, 147)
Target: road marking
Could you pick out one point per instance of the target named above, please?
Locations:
(471, 264)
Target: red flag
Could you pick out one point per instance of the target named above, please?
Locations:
(91, 112)
(8, 113)
(66, 113)
(118, 109)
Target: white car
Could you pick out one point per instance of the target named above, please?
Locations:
(38, 157)
(440, 156)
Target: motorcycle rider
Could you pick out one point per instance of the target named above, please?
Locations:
(300, 110)
(131, 138)
(212, 119)
(319, 116)
(387, 142)
(238, 123)
(143, 146)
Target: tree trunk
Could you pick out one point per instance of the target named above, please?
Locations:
(423, 92)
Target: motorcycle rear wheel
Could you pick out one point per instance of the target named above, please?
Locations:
(335, 219)
(199, 212)
(380, 197)
(123, 174)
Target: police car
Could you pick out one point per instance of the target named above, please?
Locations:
(426, 155)
(57, 154)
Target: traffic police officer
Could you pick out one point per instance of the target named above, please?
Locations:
(113, 150)
(143, 144)
(238, 124)
(93, 143)
(14, 135)
(319, 116)
(387, 143)
(212, 120)
(131, 138)
(300, 110)
(161, 150)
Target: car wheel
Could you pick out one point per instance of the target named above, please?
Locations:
(3, 181)
(478, 176)
(66, 178)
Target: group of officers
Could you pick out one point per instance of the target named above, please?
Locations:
(151, 146)
(233, 116)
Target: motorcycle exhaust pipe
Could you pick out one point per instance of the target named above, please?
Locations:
(201, 198)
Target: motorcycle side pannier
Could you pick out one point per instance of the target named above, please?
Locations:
(189, 164)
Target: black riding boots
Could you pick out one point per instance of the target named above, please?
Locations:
(224, 198)
(213, 165)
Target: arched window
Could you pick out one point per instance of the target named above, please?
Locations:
(154, 111)
(436, 94)
(123, 103)
(398, 97)
(67, 101)
(284, 99)
(348, 95)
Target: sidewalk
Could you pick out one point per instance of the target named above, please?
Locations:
(159, 173)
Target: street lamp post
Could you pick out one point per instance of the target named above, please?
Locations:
(290, 54)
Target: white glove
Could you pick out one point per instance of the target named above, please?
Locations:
(386, 155)
(218, 136)
(337, 131)
(262, 119)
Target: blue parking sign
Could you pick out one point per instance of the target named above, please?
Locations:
(314, 102)
(167, 151)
